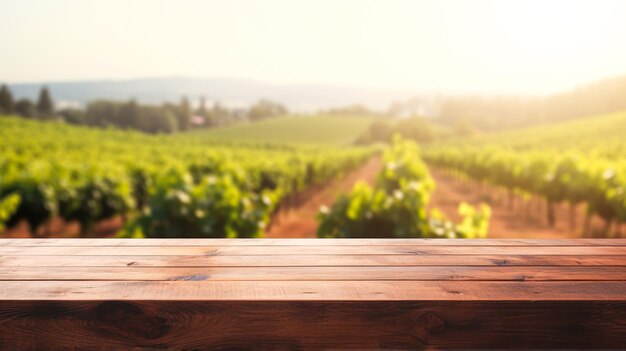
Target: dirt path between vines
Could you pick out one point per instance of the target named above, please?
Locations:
(300, 220)
(526, 219)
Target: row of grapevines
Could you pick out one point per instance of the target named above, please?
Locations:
(397, 205)
(8, 205)
(166, 185)
(574, 162)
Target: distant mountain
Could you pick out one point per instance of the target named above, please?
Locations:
(231, 92)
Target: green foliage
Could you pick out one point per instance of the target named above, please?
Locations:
(266, 109)
(396, 206)
(102, 113)
(37, 193)
(8, 206)
(155, 120)
(130, 114)
(579, 161)
(45, 106)
(183, 114)
(72, 115)
(475, 223)
(25, 108)
(167, 185)
(215, 207)
(6, 100)
(94, 195)
(378, 131)
(418, 129)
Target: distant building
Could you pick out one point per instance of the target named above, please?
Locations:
(197, 120)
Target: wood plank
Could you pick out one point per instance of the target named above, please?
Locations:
(313, 250)
(311, 260)
(394, 273)
(412, 294)
(317, 242)
(313, 291)
(37, 325)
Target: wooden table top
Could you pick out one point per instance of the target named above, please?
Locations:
(313, 269)
(292, 294)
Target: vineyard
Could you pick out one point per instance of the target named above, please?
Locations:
(396, 207)
(574, 163)
(162, 186)
(196, 185)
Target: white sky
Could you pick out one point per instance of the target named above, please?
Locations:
(489, 46)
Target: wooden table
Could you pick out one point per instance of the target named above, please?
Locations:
(312, 293)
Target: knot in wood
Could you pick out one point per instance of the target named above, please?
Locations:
(433, 323)
(123, 318)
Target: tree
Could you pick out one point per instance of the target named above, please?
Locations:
(219, 116)
(102, 113)
(129, 115)
(45, 106)
(6, 100)
(202, 108)
(184, 114)
(157, 120)
(378, 131)
(73, 115)
(25, 108)
(266, 109)
(416, 128)
(181, 113)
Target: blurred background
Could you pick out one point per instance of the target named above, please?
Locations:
(156, 118)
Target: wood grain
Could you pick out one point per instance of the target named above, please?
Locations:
(368, 273)
(312, 250)
(317, 242)
(204, 290)
(37, 325)
(312, 260)
(312, 294)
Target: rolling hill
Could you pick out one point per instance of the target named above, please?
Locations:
(321, 129)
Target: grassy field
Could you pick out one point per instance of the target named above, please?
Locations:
(332, 130)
